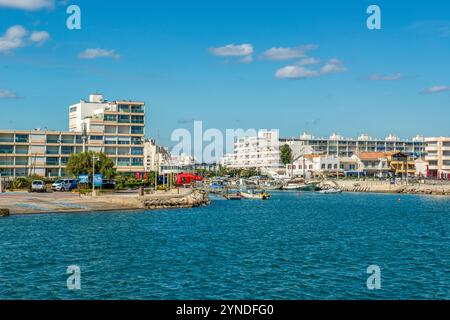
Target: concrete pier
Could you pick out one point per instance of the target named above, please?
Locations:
(387, 187)
(29, 203)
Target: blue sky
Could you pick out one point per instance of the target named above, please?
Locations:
(294, 65)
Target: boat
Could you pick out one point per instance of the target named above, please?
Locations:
(233, 196)
(330, 191)
(300, 186)
(257, 196)
(271, 187)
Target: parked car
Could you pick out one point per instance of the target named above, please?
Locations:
(38, 186)
(65, 185)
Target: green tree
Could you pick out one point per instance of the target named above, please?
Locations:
(286, 154)
(81, 163)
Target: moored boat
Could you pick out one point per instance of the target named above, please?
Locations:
(330, 191)
(300, 186)
(258, 196)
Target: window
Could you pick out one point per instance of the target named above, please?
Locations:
(64, 160)
(67, 139)
(66, 150)
(21, 149)
(6, 149)
(137, 119)
(124, 119)
(123, 162)
(52, 150)
(96, 138)
(52, 139)
(21, 138)
(124, 108)
(21, 161)
(137, 130)
(73, 109)
(136, 141)
(78, 140)
(137, 109)
(137, 162)
(110, 117)
(52, 161)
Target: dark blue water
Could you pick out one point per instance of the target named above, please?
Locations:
(307, 246)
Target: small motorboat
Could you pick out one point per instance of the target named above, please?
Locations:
(300, 186)
(234, 196)
(330, 191)
(258, 196)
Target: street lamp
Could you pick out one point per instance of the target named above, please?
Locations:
(94, 157)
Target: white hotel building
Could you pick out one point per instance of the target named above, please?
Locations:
(115, 128)
(261, 152)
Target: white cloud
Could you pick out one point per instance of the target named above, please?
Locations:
(246, 59)
(30, 5)
(98, 53)
(6, 94)
(385, 77)
(295, 72)
(300, 72)
(333, 66)
(308, 61)
(13, 38)
(16, 37)
(233, 50)
(436, 89)
(278, 53)
(39, 37)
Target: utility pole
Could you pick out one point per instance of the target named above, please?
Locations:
(1, 183)
(93, 174)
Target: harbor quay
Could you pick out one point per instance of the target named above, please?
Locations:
(16, 203)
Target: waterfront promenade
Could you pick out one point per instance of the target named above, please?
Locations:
(33, 203)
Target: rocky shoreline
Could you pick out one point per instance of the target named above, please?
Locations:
(195, 199)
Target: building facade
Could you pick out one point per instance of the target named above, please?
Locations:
(261, 152)
(438, 157)
(114, 128)
(337, 145)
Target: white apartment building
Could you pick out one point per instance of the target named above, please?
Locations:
(115, 128)
(153, 156)
(338, 145)
(261, 152)
(438, 157)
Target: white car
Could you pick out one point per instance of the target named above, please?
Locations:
(38, 186)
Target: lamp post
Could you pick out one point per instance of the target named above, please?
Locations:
(93, 173)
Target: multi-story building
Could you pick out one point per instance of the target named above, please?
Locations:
(115, 128)
(153, 156)
(438, 157)
(337, 145)
(261, 152)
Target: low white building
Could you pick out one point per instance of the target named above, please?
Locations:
(372, 163)
(313, 165)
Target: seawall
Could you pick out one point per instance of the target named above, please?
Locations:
(387, 187)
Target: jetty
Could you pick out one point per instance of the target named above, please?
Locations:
(14, 203)
(442, 189)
